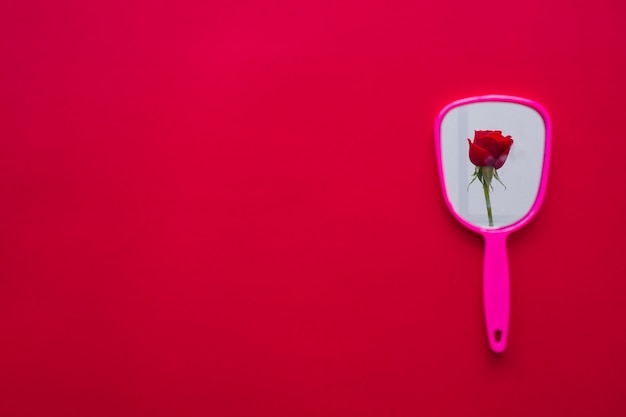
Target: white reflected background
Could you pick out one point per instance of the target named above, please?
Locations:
(521, 173)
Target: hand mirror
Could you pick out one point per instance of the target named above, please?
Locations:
(493, 156)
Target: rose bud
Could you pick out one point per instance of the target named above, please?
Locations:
(490, 148)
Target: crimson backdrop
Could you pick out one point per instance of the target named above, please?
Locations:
(231, 208)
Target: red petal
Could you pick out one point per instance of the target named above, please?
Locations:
(479, 156)
(479, 134)
(502, 158)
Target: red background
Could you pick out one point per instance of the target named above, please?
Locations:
(232, 209)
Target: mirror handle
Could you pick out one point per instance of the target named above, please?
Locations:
(496, 290)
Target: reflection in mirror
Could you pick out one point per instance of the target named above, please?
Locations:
(493, 181)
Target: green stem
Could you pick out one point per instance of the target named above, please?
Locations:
(488, 202)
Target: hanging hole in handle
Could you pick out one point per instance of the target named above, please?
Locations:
(497, 335)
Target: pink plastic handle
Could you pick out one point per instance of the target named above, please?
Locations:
(496, 290)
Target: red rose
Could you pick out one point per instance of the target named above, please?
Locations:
(489, 149)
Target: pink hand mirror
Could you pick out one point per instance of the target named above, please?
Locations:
(493, 155)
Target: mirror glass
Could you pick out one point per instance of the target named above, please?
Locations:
(505, 154)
